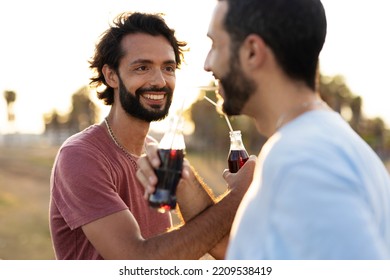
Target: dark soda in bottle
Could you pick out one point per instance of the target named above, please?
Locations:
(236, 160)
(168, 174)
(171, 151)
(237, 153)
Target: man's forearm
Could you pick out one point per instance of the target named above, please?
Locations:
(205, 233)
(193, 196)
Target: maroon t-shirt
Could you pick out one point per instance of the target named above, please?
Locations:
(93, 178)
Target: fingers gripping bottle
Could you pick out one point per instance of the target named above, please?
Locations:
(237, 153)
(171, 151)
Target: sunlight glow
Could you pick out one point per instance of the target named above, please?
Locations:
(44, 59)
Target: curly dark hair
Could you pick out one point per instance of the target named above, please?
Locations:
(108, 50)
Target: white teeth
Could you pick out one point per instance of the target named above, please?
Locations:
(154, 96)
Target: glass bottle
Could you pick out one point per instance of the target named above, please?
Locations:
(171, 151)
(237, 153)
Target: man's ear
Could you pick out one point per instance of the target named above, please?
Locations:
(253, 51)
(110, 76)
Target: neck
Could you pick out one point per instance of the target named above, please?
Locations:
(128, 132)
(281, 102)
(278, 98)
(297, 110)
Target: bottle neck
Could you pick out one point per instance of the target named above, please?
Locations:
(236, 141)
(173, 137)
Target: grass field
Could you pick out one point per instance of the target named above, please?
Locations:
(24, 196)
(24, 199)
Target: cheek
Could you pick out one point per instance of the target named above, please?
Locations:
(216, 64)
(222, 60)
(133, 83)
(217, 60)
(171, 82)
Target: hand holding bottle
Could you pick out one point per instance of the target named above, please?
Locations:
(171, 151)
(147, 164)
(241, 180)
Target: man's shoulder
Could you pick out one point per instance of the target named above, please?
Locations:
(86, 137)
(88, 141)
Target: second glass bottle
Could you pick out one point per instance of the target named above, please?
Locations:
(237, 153)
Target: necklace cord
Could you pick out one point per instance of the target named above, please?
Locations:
(112, 135)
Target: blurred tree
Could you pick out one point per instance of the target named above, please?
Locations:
(53, 120)
(211, 132)
(83, 113)
(373, 131)
(336, 93)
(10, 97)
(356, 108)
(208, 126)
(54, 126)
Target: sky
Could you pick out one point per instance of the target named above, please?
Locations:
(45, 47)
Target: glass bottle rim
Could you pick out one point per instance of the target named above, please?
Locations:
(235, 132)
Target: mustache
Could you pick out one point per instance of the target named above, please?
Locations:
(155, 89)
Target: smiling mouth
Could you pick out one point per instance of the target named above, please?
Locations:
(154, 97)
(155, 101)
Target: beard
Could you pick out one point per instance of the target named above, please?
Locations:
(132, 105)
(237, 88)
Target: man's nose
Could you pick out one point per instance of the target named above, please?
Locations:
(158, 79)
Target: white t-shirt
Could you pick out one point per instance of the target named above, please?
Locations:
(319, 192)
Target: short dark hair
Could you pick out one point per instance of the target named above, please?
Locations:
(295, 30)
(108, 50)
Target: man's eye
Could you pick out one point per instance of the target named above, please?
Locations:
(141, 68)
(170, 68)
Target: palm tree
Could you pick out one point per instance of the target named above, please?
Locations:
(10, 97)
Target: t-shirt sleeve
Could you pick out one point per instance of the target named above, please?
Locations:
(83, 189)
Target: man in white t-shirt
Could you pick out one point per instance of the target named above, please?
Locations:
(319, 192)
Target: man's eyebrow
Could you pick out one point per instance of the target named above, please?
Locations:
(171, 61)
(141, 60)
(148, 61)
